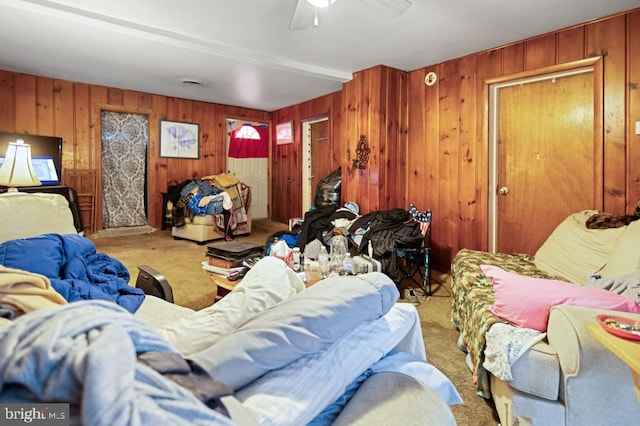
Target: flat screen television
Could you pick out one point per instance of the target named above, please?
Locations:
(46, 155)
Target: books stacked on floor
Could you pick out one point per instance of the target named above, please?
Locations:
(232, 259)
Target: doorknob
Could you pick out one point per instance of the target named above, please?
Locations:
(503, 191)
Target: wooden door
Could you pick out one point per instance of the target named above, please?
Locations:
(546, 157)
(320, 154)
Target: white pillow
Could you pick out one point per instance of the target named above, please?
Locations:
(27, 215)
(308, 322)
(573, 251)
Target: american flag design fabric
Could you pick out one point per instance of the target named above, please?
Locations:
(423, 218)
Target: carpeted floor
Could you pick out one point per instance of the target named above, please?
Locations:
(180, 262)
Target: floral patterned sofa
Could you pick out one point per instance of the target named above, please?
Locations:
(567, 377)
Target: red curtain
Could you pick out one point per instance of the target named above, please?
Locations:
(241, 147)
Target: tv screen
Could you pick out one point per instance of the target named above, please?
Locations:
(45, 151)
(44, 169)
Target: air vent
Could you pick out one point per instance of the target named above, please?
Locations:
(191, 82)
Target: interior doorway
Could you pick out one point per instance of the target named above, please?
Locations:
(252, 171)
(316, 158)
(545, 155)
(125, 138)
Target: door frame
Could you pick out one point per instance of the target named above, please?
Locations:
(227, 138)
(307, 190)
(489, 141)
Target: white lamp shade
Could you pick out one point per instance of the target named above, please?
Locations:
(17, 169)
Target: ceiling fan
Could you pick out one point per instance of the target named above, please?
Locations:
(306, 11)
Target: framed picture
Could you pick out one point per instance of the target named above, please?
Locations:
(179, 140)
(284, 133)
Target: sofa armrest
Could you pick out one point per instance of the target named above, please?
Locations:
(154, 283)
(158, 312)
(394, 398)
(596, 386)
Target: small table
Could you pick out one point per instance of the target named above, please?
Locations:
(224, 286)
(627, 350)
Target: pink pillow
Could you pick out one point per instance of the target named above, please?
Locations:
(526, 301)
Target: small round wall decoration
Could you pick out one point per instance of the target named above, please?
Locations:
(430, 79)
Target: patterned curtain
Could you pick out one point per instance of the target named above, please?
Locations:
(124, 158)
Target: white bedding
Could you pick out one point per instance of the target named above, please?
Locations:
(271, 281)
(286, 363)
(298, 392)
(305, 323)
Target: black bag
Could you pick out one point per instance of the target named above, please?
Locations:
(328, 189)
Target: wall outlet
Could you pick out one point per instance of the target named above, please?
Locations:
(637, 127)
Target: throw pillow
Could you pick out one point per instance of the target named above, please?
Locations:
(574, 252)
(526, 301)
(625, 257)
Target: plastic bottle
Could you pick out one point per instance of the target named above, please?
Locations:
(347, 264)
(323, 261)
(297, 264)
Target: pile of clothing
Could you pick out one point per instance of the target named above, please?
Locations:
(211, 195)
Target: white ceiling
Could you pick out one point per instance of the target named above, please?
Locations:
(244, 51)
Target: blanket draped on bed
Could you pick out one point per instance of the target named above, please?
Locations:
(22, 291)
(86, 353)
(76, 271)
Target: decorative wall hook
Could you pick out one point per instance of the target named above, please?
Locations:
(362, 153)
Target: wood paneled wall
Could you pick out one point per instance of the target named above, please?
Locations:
(373, 105)
(426, 141)
(44, 106)
(447, 125)
(286, 160)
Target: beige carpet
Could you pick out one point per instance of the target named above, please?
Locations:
(180, 262)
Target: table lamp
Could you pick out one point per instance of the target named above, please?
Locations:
(17, 169)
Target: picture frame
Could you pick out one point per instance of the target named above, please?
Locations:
(284, 133)
(179, 139)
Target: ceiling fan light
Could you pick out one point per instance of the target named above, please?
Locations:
(321, 3)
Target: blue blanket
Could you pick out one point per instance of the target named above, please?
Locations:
(85, 354)
(76, 271)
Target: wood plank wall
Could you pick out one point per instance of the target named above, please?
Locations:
(286, 160)
(374, 106)
(43, 106)
(426, 141)
(448, 120)
(441, 164)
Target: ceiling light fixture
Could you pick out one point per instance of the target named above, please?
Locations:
(321, 3)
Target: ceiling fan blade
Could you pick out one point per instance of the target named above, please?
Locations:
(393, 8)
(302, 15)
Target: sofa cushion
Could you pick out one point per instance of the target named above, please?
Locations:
(625, 257)
(574, 252)
(526, 301)
(27, 215)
